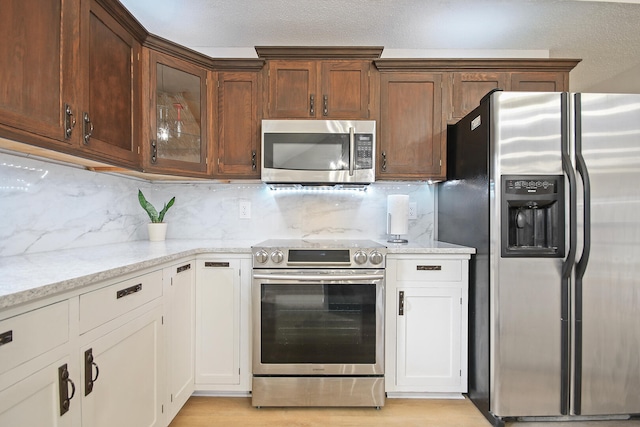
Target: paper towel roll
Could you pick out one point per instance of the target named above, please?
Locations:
(397, 214)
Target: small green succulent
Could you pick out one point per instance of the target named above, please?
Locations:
(151, 211)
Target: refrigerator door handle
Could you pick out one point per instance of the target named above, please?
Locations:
(581, 265)
(569, 261)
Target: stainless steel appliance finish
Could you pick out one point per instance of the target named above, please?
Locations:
(318, 151)
(553, 323)
(318, 324)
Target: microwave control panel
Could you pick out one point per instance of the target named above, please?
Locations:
(364, 150)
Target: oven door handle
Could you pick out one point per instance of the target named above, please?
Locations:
(318, 277)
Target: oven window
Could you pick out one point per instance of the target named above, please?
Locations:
(318, 323)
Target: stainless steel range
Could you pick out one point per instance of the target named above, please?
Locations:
(318, 323)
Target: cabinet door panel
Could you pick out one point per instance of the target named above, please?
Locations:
(429, 338)
(34, 401)
(469, 88)
(291, 86)
(35, 61)
(237, 153)
(126, 391)
(178, 113)
(411, 138)
(538, 82)
(181, 342)
(346, 88)
(112, 84)
(218, 323)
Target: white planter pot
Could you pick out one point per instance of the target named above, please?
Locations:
(157, 231)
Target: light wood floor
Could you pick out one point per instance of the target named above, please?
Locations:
(237, 411)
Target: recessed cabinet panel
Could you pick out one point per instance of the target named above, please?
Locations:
(469, 88)
(538, 82)
(429, 338)
(292, 91)
(238, 139)
(35, 62)
(110, 111)
(33, 333)
(34, 402)
(411, 140)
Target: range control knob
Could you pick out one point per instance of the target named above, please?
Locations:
(277, 256)
(262, 256)
(360, 257)
(376, 257)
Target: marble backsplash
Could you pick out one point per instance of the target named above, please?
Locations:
(48, 206)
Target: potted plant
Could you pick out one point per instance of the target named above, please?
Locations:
(157, 227)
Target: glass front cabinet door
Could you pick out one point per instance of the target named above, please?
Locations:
(178, 140)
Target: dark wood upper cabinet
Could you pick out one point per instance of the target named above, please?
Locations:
(110, 74)
(469, 88)
(38, 53)
(473, 79)
(237, 108)
(318, 89)
(411, 137)
(178, 119)
(318, 82)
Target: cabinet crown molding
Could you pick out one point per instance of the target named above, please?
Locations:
(320, 52)
(484, 64)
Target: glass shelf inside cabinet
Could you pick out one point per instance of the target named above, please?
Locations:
(178, 112)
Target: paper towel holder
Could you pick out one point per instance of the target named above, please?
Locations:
(395, 238)
(397, 217)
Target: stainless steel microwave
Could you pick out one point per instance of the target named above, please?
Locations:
(318, 151)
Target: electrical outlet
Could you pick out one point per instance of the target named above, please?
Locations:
(413, 210)
(244, 209)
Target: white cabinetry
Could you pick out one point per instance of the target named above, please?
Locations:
(121, 353)
(426, 329)
(179, 284)
(223, 324)
(34, 355)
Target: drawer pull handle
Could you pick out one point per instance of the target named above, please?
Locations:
(183, 268)
(6, 337)
(401, 303)
(216, 264)
(429, 268)
(89, 379)
(63, 389)
(128, 291)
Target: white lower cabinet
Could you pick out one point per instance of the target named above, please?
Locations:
(35, 400)
(179, 283)
(223, 324)
(426, 324)
(38, 386)
(122, 364)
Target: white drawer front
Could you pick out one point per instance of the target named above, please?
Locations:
(433, 270)
(100, 306)
(31, 334)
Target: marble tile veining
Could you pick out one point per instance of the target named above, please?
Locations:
(49, 207)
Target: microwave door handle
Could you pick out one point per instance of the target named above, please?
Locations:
(352, 154)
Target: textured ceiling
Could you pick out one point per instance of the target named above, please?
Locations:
(606, 35)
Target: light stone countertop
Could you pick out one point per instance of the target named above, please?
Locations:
(29, 277)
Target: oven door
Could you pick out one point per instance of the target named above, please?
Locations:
(318, 322)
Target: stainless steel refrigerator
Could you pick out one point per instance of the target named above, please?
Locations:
(546, 187)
